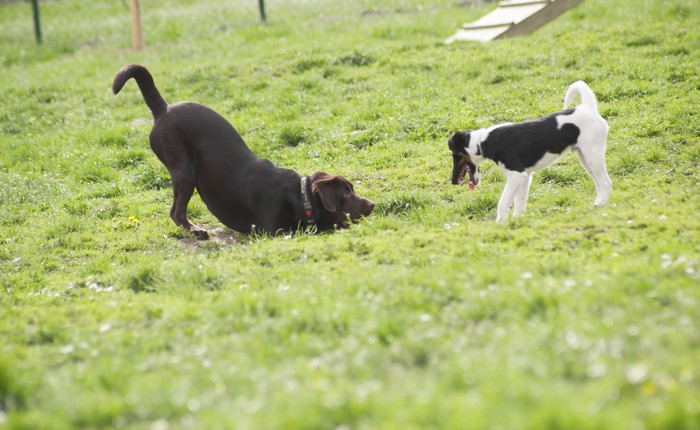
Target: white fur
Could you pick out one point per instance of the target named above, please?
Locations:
(587, 97)
(590, 149)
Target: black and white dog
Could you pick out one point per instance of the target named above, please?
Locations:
(522, 148)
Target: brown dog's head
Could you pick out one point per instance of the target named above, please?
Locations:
(337, 202)
(463, 164)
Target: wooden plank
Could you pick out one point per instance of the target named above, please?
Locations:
(513, 18)
(478, 35)
(475, 26)
(515, 3)
(507, 15)
(537, 20)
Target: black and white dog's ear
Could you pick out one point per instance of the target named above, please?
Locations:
(458, 141)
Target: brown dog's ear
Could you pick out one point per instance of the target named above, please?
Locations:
(324, 188)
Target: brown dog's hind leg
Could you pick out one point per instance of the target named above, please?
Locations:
(183, 188)
(171, 150)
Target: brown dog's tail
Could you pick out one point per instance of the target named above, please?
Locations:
(144, 80)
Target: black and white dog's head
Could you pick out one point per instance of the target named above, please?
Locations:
(465, 158)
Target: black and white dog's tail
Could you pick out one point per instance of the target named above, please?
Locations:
(587, 96)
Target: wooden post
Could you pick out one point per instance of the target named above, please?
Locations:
(136, 25)
(37, 24)
(263, 17)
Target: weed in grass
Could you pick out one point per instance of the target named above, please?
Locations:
(642, 41)
(354, 59)
(144, 279)
(310, 63)
(626, 163)
(293, 135)
(130, 222)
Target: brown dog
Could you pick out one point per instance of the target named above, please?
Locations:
(246, 193)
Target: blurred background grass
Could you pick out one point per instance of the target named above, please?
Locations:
(70, 25)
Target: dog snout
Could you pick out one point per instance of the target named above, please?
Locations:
(369, 207)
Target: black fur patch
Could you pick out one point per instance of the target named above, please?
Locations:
(520, 146)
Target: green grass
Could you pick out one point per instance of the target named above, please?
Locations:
(426, 314)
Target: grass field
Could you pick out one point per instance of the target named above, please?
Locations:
(426, 314)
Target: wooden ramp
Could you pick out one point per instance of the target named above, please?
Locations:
(513, 18)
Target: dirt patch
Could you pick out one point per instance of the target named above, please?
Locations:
(219, 236)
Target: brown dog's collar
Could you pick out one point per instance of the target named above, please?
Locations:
(307, 202)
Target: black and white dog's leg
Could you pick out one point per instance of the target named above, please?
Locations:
(593, 161)
(521, 197)
(514, 182)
